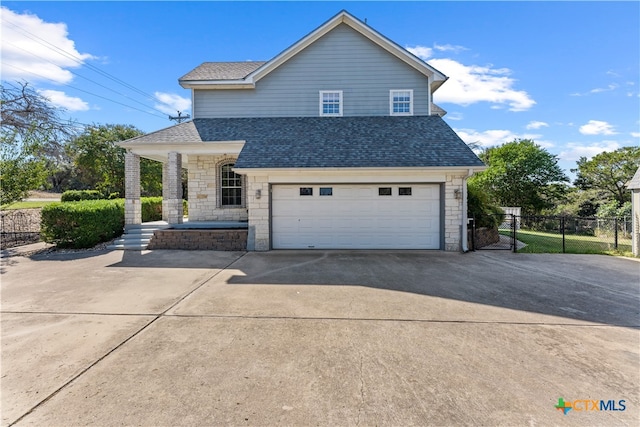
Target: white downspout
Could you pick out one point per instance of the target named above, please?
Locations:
(464, 237)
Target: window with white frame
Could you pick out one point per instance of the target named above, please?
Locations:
(331, 103)
(401, 102)
(230, 186)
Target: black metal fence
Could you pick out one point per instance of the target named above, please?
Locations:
(575, 235)
(19, 227)
(547, 234)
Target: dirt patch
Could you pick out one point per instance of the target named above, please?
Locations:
(44, 195)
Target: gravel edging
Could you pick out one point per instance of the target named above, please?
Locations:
(51, 250)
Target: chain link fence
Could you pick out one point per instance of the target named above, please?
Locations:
(547, 234)
(574, 235)
(19, 227)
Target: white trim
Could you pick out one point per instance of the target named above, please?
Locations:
(429, 97)
(243, 187)
(391, 93)
(340, 103)
(214, 147)
(217, 84)
(416, 173)
(193, 103)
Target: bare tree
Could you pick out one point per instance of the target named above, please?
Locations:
(32, 137)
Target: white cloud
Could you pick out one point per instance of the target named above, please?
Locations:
(597, 127)
(170, 103)
(469, 84)
(536, 125)
(635, 134)
(421, 52)
(449, 47)
(609, 88)
(34, 50)
(574, 150)
(455, 115)
(61, 99)
(493, 137)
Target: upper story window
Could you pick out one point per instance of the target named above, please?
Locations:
(331, 103)
(401, 102)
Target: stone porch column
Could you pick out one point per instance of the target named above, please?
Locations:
(165, 191)
(173, 193)
(132, 206)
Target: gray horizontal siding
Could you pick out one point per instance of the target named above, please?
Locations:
(341, 60)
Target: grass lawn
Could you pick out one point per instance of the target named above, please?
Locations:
(26, 205)
(543, 242)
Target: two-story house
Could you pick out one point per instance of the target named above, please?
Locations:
(333, 144)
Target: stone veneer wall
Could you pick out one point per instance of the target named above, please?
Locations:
(452, 213)
(259, 236)
(203, 191)
(484, 237)
(217, 240)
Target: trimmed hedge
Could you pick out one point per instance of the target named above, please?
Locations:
(86, 223)
(82, 224)
(151, 208)
(78, 195)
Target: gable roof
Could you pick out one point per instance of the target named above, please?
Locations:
(222, 70)
(436, 78)
(325, 142)
(634, 184)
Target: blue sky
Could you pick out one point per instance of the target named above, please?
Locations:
(565, 74)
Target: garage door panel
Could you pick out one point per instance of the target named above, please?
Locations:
(356, 217)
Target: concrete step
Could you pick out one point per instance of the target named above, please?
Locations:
(145, 227)
(136, 237)
(124, 247)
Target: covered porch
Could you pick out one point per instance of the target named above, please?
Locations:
(215, 192)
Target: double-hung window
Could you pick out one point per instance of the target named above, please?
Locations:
(331, 103)
(230, 186)
(401, 102)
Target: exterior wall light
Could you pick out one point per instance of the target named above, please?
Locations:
(457, 194)
(258, 193)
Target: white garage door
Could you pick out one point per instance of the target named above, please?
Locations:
(394, 216)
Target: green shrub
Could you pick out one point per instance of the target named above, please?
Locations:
(78, 195)
(151, 208)
(82, 224)
(479, 207)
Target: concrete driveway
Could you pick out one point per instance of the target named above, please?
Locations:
(319, 338)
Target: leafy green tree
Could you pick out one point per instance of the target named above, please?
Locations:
(521, 173)
(32, 136)
(580, 203)
(99, 161)
(609, 172)
(611, 210)
(20, 169)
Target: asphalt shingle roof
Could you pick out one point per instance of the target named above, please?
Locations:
(318, 142)
(222, 70)
(634, 184)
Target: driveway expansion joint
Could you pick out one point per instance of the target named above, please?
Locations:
(120, 345)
